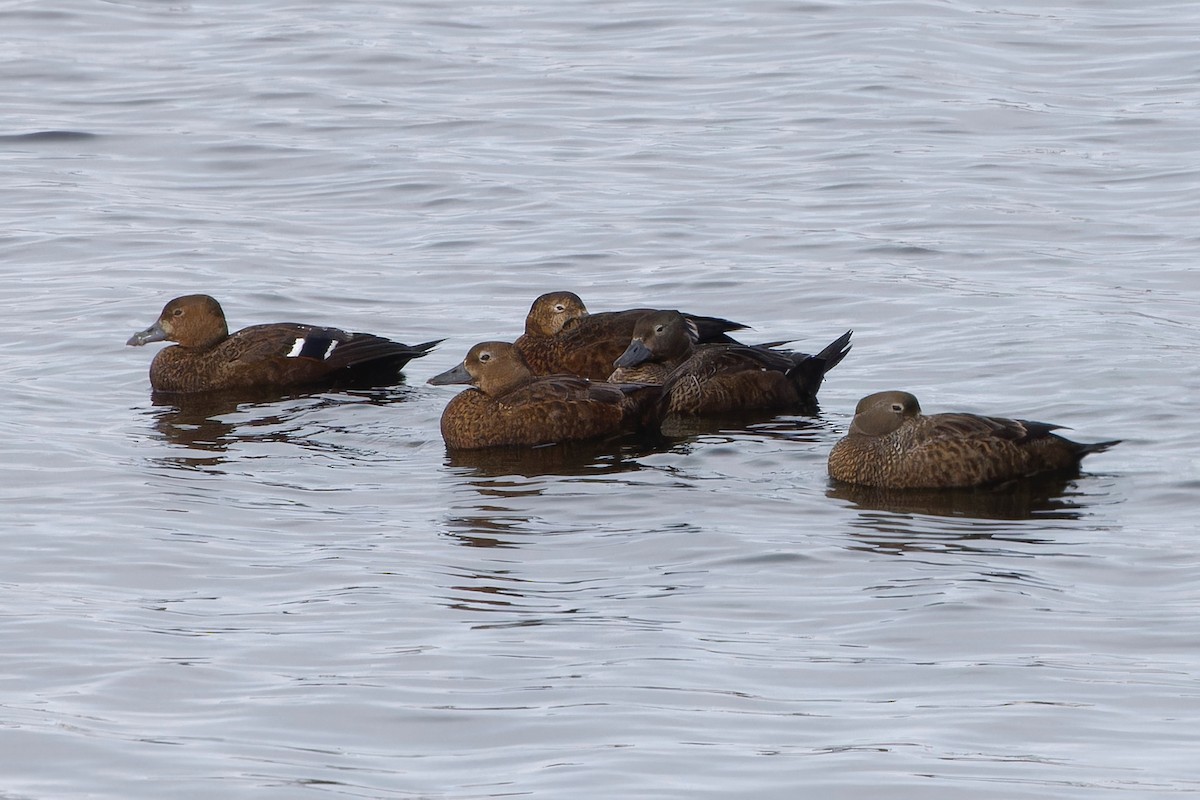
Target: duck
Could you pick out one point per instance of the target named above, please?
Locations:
(507, 405)
(701, 379)
(561, 336)
(283, 355)
(891, 444)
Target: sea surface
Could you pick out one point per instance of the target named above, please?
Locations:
(309, 597)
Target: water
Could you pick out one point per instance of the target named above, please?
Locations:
(310, 597)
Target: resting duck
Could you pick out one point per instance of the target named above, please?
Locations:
(704, 379)
(892, 445)
(206, 357)
(562, 337)
(510, 406)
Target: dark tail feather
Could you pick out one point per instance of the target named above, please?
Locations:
(375, 361)
(403, 353)
(809, 371)
(423, 348)
(1095, 447)
(365, 348)
(714, 329)
(836, 350)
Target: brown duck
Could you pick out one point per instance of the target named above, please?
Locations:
(206, 357)
(891, 444)
(562, 337)
(705, 379)
(510, 406)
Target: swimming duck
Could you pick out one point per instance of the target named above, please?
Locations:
(705, 379)
(562, 337)
(206, 357)
(891, 444)
(509, 405)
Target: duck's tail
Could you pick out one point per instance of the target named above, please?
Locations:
(1095, 447)
(369, 360)
(809, 371)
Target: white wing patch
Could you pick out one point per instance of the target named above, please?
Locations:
(303, 348)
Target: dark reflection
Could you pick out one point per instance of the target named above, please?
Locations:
(889, 534)
(1000, 520)
(48, 136)
(764, 423)
(1040, 498)
(502, 475)
(606, 457)
(477, 588)
(488, 591)
(487, 530)
(214, 422)
(620, 454)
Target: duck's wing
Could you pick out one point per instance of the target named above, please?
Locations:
(979, 427)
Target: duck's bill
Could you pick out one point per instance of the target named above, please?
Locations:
(458, 374)
(154, 333)
(636, 353)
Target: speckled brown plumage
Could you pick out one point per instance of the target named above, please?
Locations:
(648, 372)
(509, 406)
(891, 444)
(277, 355)
(707, 379)
(562, 337)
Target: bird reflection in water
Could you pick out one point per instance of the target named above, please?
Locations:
(802, 424)
(491, 589)
(568, 459)
(496, 512)
(1045, 498)
(1008, 517)
(487, 530)
(215, 422)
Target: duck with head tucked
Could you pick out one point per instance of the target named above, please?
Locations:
(282, 355)
(892, 445)
(562, 337)
(509, 406)
(708, 379)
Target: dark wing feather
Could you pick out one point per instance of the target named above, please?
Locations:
(560, 388)
(725, 359)
(293, 354)
(974, 426)
(263, 342)
(713, 329)
(362, 348)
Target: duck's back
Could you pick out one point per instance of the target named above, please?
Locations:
(723, 379)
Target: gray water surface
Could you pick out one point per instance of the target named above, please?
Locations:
(309, 596)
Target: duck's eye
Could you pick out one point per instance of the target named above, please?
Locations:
(177, 312)
(485, 356)
(659, 328)
(559, 308)
(896, 407)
